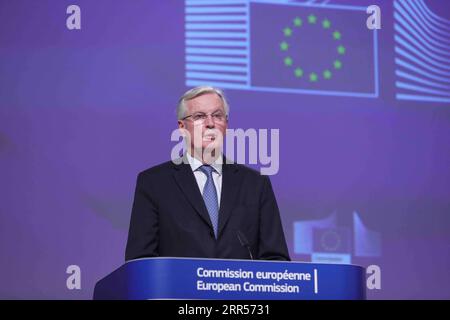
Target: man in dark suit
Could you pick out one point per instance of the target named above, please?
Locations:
(201, 205)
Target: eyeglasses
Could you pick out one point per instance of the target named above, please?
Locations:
(200, 117)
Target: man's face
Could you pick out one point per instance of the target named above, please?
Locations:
(205, 132)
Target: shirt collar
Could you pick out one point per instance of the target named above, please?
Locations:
(195, 163)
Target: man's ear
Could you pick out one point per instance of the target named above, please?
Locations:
(182, 128)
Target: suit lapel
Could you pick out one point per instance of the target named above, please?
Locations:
(186, 181)
(231, 183)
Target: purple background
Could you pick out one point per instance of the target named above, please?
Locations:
(82, 112)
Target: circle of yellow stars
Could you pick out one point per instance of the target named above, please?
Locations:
(298, 71)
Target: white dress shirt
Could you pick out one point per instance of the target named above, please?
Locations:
(201, 178)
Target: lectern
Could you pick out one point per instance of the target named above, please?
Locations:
(191, 278)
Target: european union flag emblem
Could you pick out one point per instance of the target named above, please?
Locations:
(332, 240)
(312, 49)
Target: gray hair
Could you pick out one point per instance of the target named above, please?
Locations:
(194, 93)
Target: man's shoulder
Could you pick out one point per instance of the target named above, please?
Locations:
(247, 171)
(159, 169)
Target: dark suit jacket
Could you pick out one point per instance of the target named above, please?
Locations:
(169, 217)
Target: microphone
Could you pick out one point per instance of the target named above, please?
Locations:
(244, 242)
